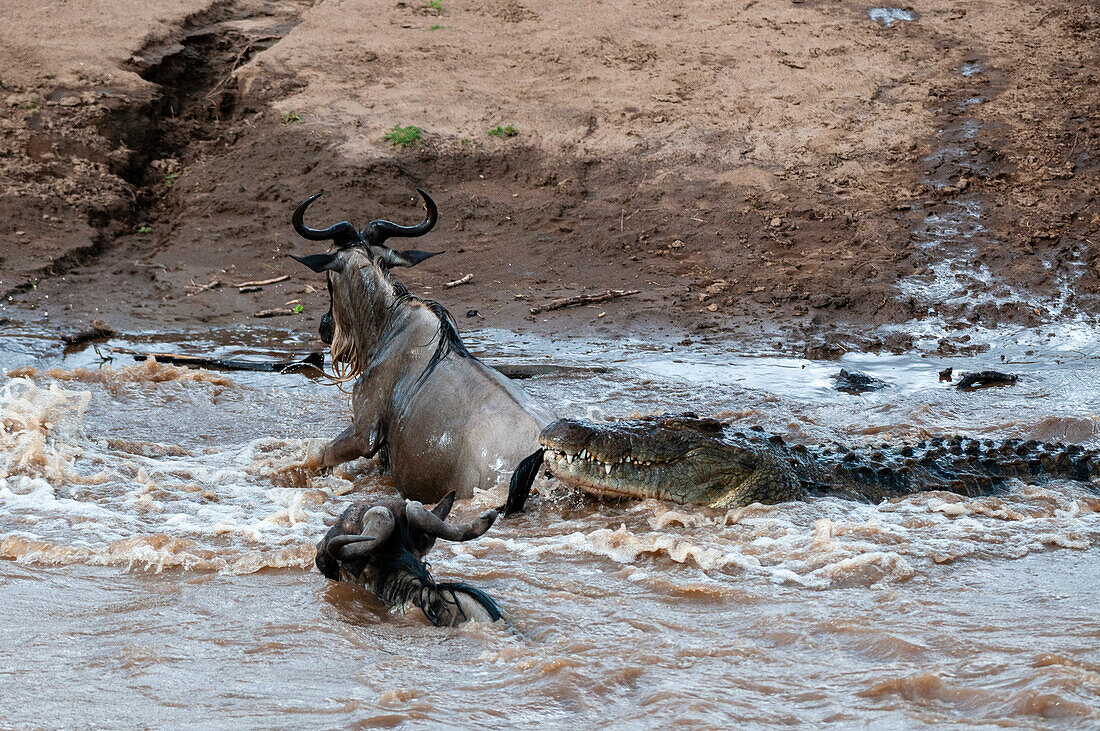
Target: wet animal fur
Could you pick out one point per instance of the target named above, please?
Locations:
(433, 412)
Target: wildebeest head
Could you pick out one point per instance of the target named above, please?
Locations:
(381, 546)
(369, 241)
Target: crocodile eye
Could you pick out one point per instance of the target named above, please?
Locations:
(675, 424)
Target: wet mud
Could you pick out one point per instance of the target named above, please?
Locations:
(944, 165)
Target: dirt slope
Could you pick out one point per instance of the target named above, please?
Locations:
(795, 163)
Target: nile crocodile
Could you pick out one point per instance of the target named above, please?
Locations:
(699, 461)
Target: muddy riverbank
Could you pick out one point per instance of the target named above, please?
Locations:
(766, 161)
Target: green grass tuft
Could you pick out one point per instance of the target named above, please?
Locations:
(503, 132)
(288, 117)
(404, 136)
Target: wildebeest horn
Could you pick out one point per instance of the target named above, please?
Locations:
(342, 233)
(428, 522)
(378, 231)
(377, 527)
(443, 508)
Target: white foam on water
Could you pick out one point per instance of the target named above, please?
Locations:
(831, 543)
(66, 497)
(971, 68)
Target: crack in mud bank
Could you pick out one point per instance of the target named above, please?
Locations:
(197, 107)
(107, 155)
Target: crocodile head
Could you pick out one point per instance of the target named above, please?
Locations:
(677, 457)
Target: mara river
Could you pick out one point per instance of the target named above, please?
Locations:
(157, 531)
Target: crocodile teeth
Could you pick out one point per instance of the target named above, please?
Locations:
(584, 454)
(607, 468)
(569, 458)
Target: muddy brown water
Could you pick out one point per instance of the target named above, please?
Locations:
(157, 528)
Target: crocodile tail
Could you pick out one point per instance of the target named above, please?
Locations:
(520, 486)
(960, 465)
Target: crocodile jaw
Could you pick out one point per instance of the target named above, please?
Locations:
(679, 458)
(676, 481)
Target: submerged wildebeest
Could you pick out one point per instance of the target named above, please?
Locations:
(381, 546)
(438, 418)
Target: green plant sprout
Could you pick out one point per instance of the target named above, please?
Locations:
(404, 136)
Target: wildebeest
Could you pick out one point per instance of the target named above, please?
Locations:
(381, 546)
(438, 418)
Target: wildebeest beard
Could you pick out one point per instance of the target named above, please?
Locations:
(366, 307)
(403, 579)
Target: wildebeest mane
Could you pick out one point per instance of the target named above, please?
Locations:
(449, 339)
(402, 577)
(346, 347)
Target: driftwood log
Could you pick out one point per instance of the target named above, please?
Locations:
(311, 361)
(583, 299)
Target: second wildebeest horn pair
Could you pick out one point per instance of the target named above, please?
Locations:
(378, 524)
(344, 234)
(428, 522)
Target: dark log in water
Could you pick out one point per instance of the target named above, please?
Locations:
(311, 361)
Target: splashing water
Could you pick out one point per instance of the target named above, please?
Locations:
(167, 518)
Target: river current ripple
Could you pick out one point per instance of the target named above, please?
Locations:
(158, 524)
